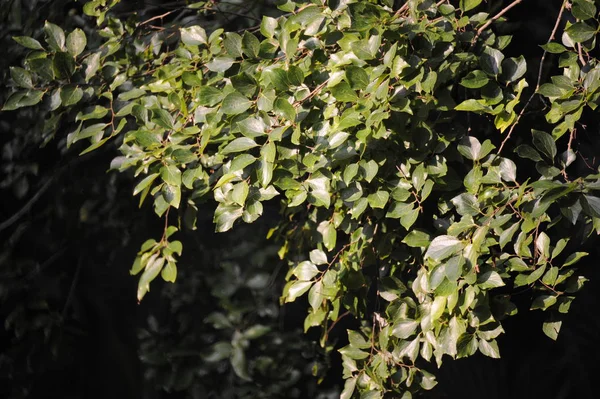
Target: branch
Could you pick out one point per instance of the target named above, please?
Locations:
(10, 221)
(539, 77)
(495, 17)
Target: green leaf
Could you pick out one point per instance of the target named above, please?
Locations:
(574, 258)
(225, 216)
(357, 77)
(489, 348)
(417, 239)
(297, 289)
(528, 152)
(235, 103)
(239, 193)
(583, 9)
(55, 36)
(305, 271)
(239, 363)
(554, 48)
(580, 32)
(405, 328)
(318, 257)
(76, 42)
(21, 77)
(70, 95)
(211, 96)
(475, 80)
(238, 145)
(491, 61)
(490, 279)
(343, 92)
(233, 44)
(472, 105)
(153, 268)
(442, 247)
(169, 272)
(552, 328)
(544, 143)
(268, 26)
(514, 68)
(282, 107)
(469, 147)
(170, 174)
(467, 5)
(466, 345)
(28, 42)
(250, 45)
(543, 302)
(193, 36)
(220, 64)
(378, 199)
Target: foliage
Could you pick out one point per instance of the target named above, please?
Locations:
(386, 137)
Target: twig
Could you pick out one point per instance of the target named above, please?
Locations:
(495, 17)
(72, 289)
(336, 321)
(580, 53)
(157, 17)
(539, 77)
(10, 221)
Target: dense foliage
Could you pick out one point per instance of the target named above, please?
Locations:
(412, 197)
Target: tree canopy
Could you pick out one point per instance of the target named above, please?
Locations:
(423, 174)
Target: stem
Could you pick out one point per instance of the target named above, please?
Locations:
(495, 17)
(539, 77)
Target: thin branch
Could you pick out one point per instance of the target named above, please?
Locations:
(10, 221)
(72, 289)
(495, 17)
(157, 17)
(539, 77)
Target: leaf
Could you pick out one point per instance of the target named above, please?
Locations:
(169, 272)
(528, 152)
(543, 302)
(268, 26)
(544, 143)
(584, 9)
(305, 271)
(574, 258)
(238, 145)
(239, 193)
(467, 5)
(250, 45)
(220, 64)
(552, 328)
(405, 328)
(349, 387)
(506, 235)
(417, 239)
(343, 92)
(378, 199)
(297, 289)
(211, 96)
(491, 61)
(21, 77)
(472, 105)
(475, 80)
(76, 42)
(153, 268)
(554, 48)
(225, 216)
(318, 257)
(283, 108)
(508, 170)
(357, 77)
(55, 36)
(442, 247)
(580, 32)
(28, 42)
(490, 279)
(239, 363)
(235, 103)
(170, 174)
(70, 95)
(469, 147)
(193, 36)
(233, 44)
(141, 186)
(514, 68)
(489, 348)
